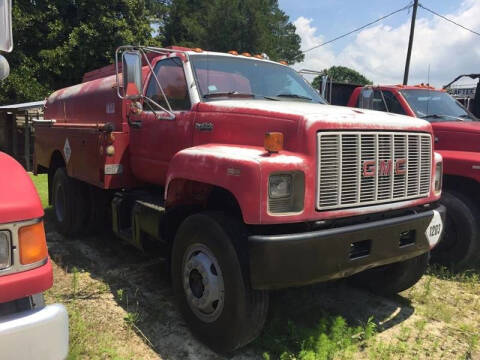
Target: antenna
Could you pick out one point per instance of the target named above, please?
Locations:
(428, 84)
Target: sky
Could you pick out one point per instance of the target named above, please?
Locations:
(379, 51)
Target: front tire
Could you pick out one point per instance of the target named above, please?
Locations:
(393, 278)
(460, 245)
(211, 283)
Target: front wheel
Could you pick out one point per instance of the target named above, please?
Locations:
(393, 278)
(211, 283)
(460, 245)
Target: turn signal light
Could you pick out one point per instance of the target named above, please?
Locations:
(32, 243)
(233, 52)
(273, 142)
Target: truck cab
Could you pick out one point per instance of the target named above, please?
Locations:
(28, 328)
(244, 176)
(457, 138)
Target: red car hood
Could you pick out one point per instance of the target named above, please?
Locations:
(319, 116)
(18, 198)
(458, 126)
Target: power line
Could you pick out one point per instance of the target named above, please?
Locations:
(445, 18)
(360, 28)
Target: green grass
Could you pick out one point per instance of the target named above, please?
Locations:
(41, 183)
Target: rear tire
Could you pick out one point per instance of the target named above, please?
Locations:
(69, 201)
(460, 246)
(393, 278)
(211, 282)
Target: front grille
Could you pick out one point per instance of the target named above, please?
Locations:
(367, 168)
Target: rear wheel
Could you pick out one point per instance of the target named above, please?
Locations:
(211, 282)
(69, 200)
(460, 245)
(393, 278)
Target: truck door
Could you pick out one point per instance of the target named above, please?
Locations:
(154, 138)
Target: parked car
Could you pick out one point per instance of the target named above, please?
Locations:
(457, 139)
(28, 328)
(238, 169)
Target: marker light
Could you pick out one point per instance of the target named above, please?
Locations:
(246, 54)
(258, 56)
(283, 62)
(197, 50)
(273, 142)
(32, 243)
(233, 52)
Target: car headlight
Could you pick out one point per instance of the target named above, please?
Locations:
(280, 186)
(286, 192)
(5, 256)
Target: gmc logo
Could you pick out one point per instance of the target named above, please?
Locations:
(384, 167)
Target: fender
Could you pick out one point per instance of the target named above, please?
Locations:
(461, 163)
(242, 170)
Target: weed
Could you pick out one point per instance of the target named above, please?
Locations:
(74, 282)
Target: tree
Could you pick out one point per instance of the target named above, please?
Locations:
(341, 74)
(57, 41)
(254, 26)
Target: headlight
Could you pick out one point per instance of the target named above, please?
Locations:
(5, 256)
(286, 192)
(438, 177)
(280, 186)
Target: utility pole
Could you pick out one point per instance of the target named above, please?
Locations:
(410, 42)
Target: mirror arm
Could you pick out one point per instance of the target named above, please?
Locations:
(148, 100)
(170, 111)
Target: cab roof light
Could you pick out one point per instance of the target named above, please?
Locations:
(273, 142)
(198, 50)
(258, 56)
(246, 54)
(283, 62)
(233, 52)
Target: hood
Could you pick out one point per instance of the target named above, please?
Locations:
(319, 115)
(458, 126)
(18, 198)
(457, 135)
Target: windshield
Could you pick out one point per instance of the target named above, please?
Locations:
(436, 106)
(222, 76)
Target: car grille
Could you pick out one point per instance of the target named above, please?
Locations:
(367, 168)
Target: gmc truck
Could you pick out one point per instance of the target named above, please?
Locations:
(238, 170)
(28, 328)
(457, 139)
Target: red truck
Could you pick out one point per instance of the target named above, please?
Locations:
(457, 139)
(238, 169)
(28, 328)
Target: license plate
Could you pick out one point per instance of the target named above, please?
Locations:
(434, 229)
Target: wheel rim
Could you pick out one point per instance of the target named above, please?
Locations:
(60, 203)
(203, 283)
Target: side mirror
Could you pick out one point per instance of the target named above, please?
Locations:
(6, 42)
(4, 68)
(132, 74)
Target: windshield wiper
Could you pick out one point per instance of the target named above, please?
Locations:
(441, 116)
(295, 96)
(228, 94)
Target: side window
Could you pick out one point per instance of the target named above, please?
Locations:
(171, 76)
(372, 99)
(393, 104)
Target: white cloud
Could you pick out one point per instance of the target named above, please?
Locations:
(379, 52)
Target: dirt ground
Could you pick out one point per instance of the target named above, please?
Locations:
(121, 307)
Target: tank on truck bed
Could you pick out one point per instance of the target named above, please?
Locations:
(247, 180)
(457, 139)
